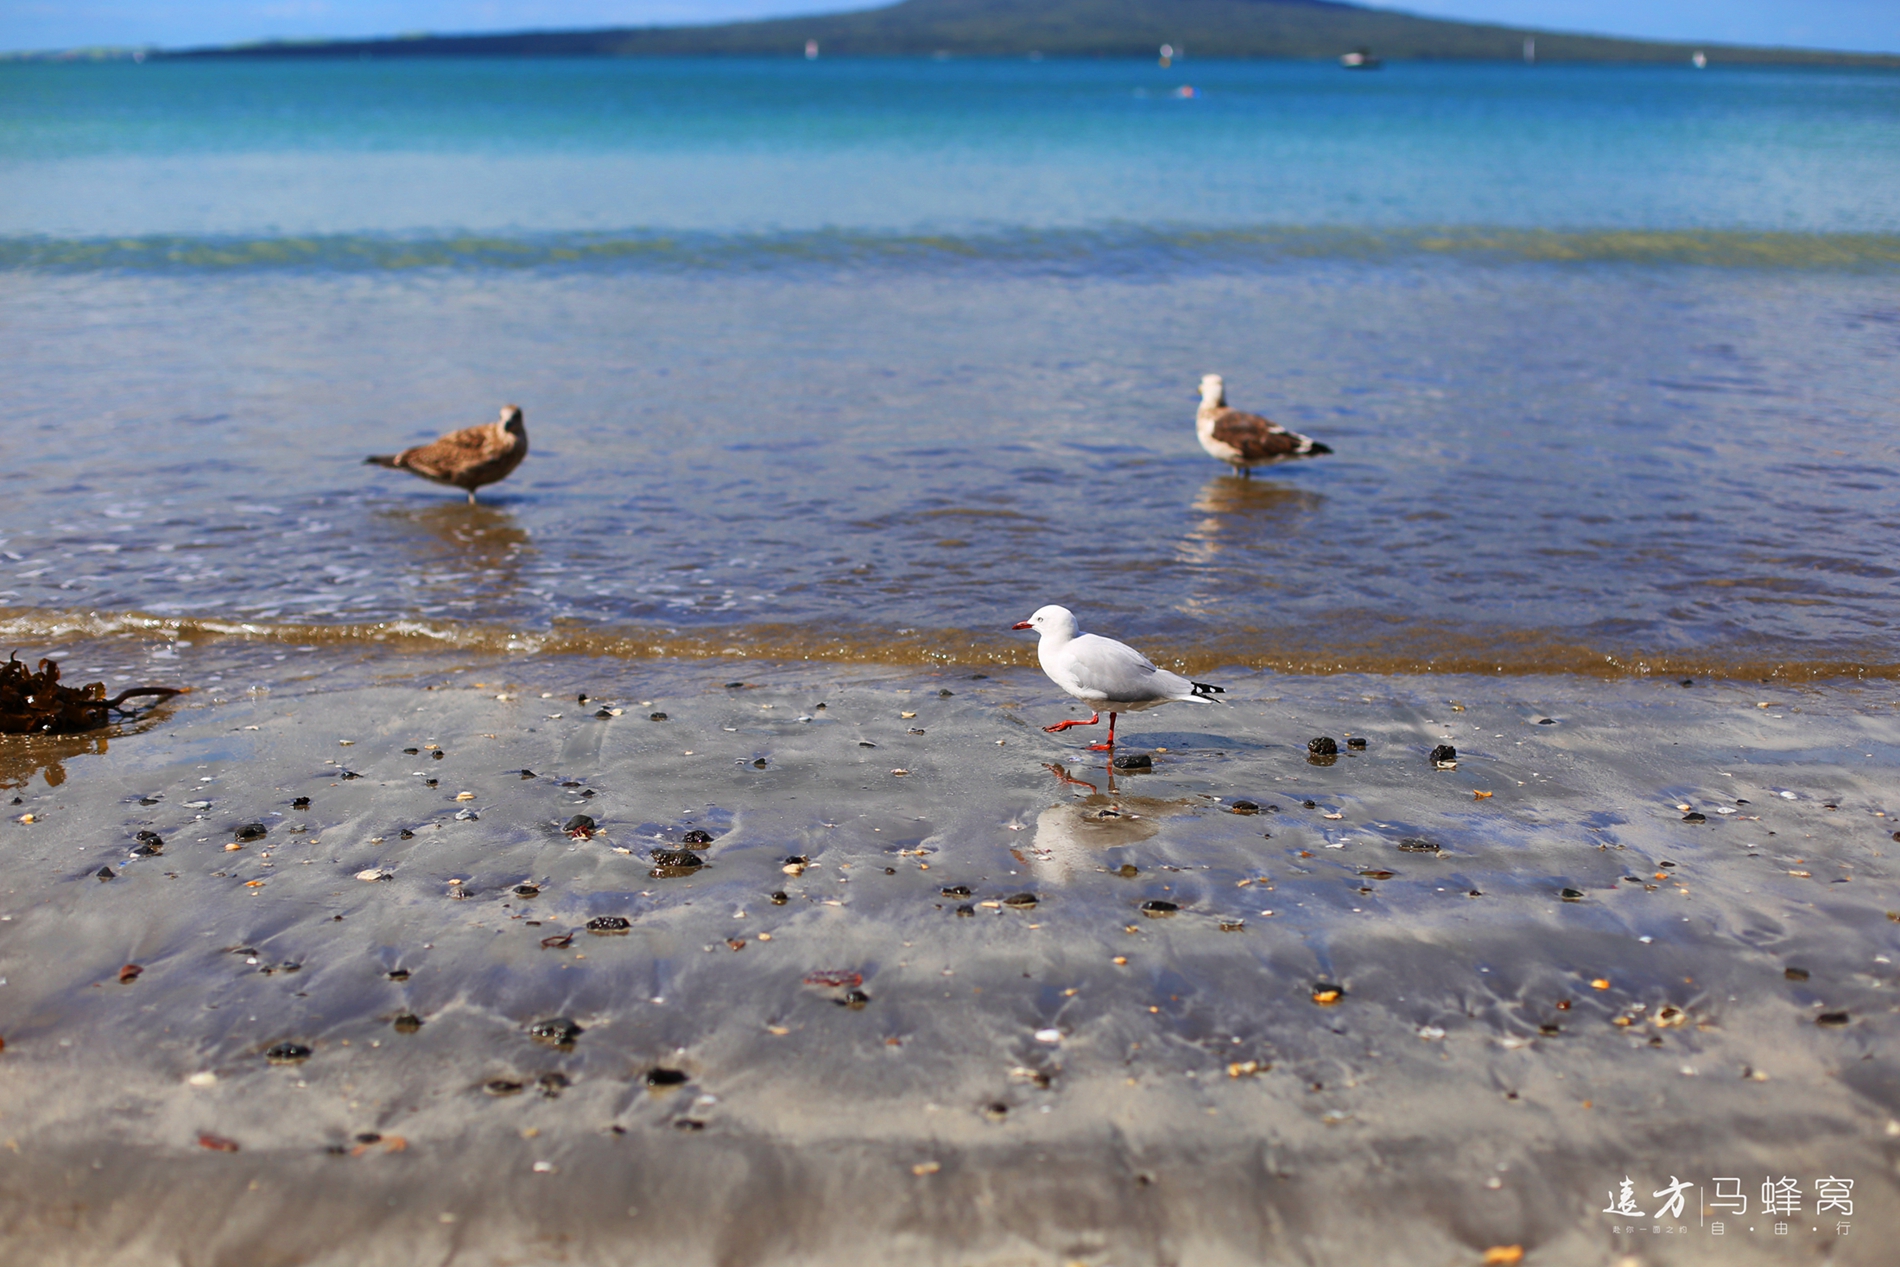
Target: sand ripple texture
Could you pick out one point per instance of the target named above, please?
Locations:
(430, 1014)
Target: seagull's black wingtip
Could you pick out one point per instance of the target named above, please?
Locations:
(1207, 690)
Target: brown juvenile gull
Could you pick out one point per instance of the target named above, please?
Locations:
(1245, 440)
(468, 458)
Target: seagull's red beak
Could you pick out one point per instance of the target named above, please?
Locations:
(1022, 624)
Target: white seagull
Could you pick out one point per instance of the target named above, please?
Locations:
(1244, 440)
(1103, 673)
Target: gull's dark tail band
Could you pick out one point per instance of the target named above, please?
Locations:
(1206, 690)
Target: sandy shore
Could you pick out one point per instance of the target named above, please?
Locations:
(1073, 1080)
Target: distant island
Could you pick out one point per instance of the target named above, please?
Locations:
(1061, 28)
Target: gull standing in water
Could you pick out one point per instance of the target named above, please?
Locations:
(1103, 673)
(1244, 440)
(468, 458)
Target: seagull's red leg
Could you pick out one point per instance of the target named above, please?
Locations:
(1061, 726)
(1110, 745)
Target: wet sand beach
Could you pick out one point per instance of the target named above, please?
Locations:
(1399, 1013)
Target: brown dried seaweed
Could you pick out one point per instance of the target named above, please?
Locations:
(36, 704)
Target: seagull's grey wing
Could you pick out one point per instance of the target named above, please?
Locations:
(1106, 670)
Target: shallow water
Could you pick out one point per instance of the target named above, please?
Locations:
(866, 360)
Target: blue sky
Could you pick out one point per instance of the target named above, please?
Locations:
(41, 24)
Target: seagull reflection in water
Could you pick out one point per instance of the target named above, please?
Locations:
(1242, 513)
(1072, 835)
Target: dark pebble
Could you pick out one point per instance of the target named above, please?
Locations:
(1020, 901)
(287, 1053)
(1693, 817)
(696, 837)
(501, 1086)
(1795, 974)
(106, 873)
(956, 890)
(560, 941)
(588, 795)
(779, 898)
(1549, 1031)
(946, 693)
(150, 845)
(252, 831)
(856, 999)
(1157, 908)
(1128, 871)
(866, 743)
(1356, 744)
(579, 825)
(1688, 681)
(1896, 835)
(143, 800)
(1547, 721)
(1414, 844)
(1832, 1018)
(437, 755)
(678, 858)
(571, 783)
(407, 1023)
(666, 1077)
(965, 911)
(581, 698)
(405, 834)
(1570, 895)
(528, 774)
(1665, 863)
(735, 686)
(1323, 746)
(302, 802)
(351, 774)
(527, 890)
(1310, 804)
(1474, 893)
(1135, 761)
(398, 974)
(979, 677)
(1376, 873)
(796, 860)
(688, 1124)
(550, 1085)
(1244, 807)
(996, 1112)
(890, 871)
(759, 764)
(368, 1137)
(603, 712)
(410, 752)
(608, 924)
(129, 973)
(656, 716)
(431, 782)
(556, 1031)
(1444, 753)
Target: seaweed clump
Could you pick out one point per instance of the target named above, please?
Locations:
(36, 704)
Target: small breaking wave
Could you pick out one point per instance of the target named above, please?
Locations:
(1111, 250)
(1418, 649)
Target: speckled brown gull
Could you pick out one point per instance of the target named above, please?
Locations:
(1244, 440)
(468, 458)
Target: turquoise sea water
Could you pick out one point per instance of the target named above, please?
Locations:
(822, 357)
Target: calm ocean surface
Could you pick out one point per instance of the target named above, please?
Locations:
(869, 359)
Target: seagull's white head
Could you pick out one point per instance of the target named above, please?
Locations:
(1050, 622)
(1213, 391)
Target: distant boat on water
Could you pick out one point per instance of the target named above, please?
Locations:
(1360, 59)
